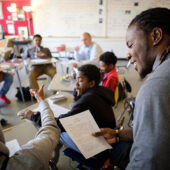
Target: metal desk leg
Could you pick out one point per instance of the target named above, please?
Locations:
(27, 73)
(20, 86)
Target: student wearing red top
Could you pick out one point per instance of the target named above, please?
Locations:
(107, 66)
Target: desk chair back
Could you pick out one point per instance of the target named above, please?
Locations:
(121, 90)
(87, 164)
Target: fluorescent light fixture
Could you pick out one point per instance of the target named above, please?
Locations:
(27, 8)
(12, 8)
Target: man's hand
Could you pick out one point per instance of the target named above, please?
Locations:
(40, 55)
(26, 114)
(108, 134)
(77, 48)
(74, 64)
(38, 93)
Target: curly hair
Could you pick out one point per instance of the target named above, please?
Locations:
(151, 18)
(91, 72)
(108, 58)
(37, 35)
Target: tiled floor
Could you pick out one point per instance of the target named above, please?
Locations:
(10, 111)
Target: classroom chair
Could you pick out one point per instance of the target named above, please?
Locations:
(93, 163)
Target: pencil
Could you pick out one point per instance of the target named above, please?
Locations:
(78, 93)
(6, 130)
(128, 64)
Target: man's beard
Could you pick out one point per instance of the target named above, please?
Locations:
(145, 72)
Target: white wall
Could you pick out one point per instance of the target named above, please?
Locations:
(118, 45)
(62, 21)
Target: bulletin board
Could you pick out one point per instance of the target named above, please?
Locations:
(11, 25)
(101, 18)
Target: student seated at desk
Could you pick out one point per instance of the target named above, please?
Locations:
(88, 53)
(34, 155)
(38, 52)
(107, 66)
(7, 79)
(99, 100)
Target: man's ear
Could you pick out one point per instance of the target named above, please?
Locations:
(156, 35)
(92, 83)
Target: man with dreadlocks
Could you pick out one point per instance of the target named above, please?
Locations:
(148, 40)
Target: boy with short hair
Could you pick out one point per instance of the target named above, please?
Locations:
(107, 66)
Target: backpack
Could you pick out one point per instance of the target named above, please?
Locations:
(26, 93)
(124, 86)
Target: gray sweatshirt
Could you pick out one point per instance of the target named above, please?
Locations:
(151, 131)
(35, 155)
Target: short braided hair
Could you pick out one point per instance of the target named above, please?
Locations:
(151, 18)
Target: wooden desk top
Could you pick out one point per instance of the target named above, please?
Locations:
(57, 84)
(23, 132)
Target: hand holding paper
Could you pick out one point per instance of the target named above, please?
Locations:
(80, 128)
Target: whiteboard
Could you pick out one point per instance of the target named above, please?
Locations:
(70, 18)
(121, 12)
(67, 18)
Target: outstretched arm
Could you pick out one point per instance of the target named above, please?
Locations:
(37, 152)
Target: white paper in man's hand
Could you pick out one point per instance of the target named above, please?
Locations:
(80, 128)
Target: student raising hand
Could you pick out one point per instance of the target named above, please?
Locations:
(38, 93)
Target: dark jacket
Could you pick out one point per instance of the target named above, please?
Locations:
(99, 100)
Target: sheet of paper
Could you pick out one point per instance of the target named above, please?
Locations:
(13, 147)
(80, 128)
(57, 110)
(11, 29)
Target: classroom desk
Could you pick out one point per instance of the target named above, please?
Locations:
(26, 130)
(57, 84)
(69, 55)
(64, 103)
(33, 62)
(23, 132)
(12, 65)
(64, 58)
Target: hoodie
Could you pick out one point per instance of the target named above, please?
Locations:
(99, 100)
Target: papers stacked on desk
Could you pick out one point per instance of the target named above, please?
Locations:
(80, 128)
(57, 110)
(56, 98)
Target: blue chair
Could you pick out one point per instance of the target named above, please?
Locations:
(93, 163)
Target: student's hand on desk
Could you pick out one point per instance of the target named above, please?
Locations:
(108, 134)
(25, 114)
(38, 93)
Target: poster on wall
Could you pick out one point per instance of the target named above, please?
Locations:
(1, 32)
(23, 31)
(11, 29)
(1, 12)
